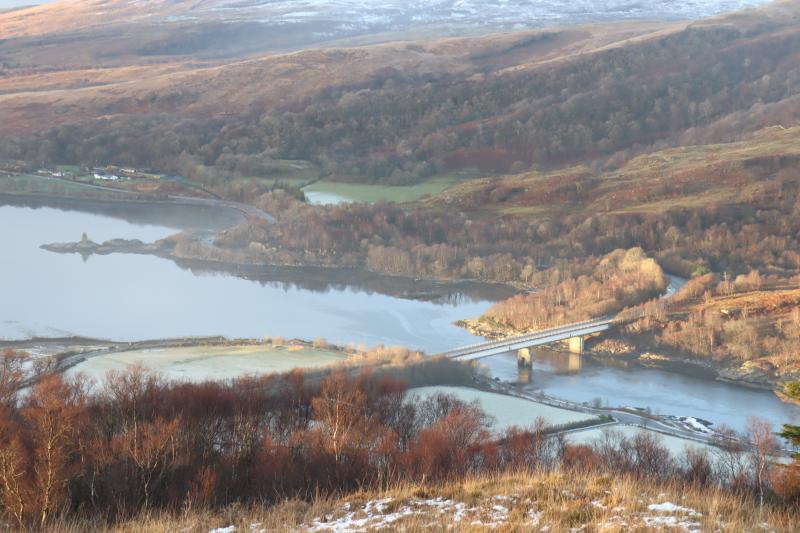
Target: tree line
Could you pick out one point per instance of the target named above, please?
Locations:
(621, 279)
(135, 443)
(753, 232)
(397, 129)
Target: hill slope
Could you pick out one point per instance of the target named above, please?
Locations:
(563, 501)
(400, 112)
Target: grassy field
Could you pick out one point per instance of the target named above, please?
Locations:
(331, 192)
(292, 172)
(75, 169)
(43, 185)
(526, 501)
(676, 445)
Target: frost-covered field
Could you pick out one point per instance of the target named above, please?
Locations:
(203, 363)
(676, 445)
(508, 410)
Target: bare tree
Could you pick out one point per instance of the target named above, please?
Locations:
(12, 374)
(729, 454)
(340, 410)
(15, 485)
(54, 416)
(763, 447)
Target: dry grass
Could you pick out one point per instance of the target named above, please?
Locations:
(691, 177)
(513, 502)
(776, 302)
(34, 97)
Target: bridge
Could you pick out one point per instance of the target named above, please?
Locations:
(573, 333)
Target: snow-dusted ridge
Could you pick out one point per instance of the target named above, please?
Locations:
(405, 14)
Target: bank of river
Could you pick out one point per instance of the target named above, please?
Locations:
(586, 380)
(136, 297)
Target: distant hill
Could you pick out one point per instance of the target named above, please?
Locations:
(102, 32)
(399, 112)
(353, 17)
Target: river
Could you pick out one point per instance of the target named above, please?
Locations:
(137, 297)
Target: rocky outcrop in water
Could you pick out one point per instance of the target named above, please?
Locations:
(86, 247)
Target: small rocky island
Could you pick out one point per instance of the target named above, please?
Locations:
(87, 247)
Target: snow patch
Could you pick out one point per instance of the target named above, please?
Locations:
(668, 507)
(672, 522)
(385, 513)
(229, 529)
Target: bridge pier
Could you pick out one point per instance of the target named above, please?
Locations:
(576, 345)
(524, 359)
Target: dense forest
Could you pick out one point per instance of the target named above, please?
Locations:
(136, 443)
(752, 231)
(710, 81)
(618, 280)
(751, 322)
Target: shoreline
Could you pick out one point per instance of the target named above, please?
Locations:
(646, 357)
(413, 288)
(79, 349)
(130, 199)
(606, 417)
(410, 289)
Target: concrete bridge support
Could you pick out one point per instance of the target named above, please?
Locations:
(576, 345)
(524, 375)
(524, 359)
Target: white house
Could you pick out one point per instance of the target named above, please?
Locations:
(106, 177)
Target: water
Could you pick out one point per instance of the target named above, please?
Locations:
(133, 297)
(136, 297)
(686, 393)
(326, 198)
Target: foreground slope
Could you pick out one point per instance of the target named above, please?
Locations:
(561, 501)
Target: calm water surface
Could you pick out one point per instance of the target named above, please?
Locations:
(580, 379)
(133, 297)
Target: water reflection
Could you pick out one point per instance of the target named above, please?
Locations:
(205, 219)
(326, 280)
(164, 214)
(135, 297)
(131, 297)
(621, 383)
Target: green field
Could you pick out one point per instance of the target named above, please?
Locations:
(75, 169)
(32, 184)
(291, 172)
(331, 192)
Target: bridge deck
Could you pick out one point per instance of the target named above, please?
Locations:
(547, 336)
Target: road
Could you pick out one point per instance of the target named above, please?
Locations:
(246, 209)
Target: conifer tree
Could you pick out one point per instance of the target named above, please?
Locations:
(791, 392)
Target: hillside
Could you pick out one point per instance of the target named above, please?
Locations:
(399, 113)
(560, 501)
(142, 453)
